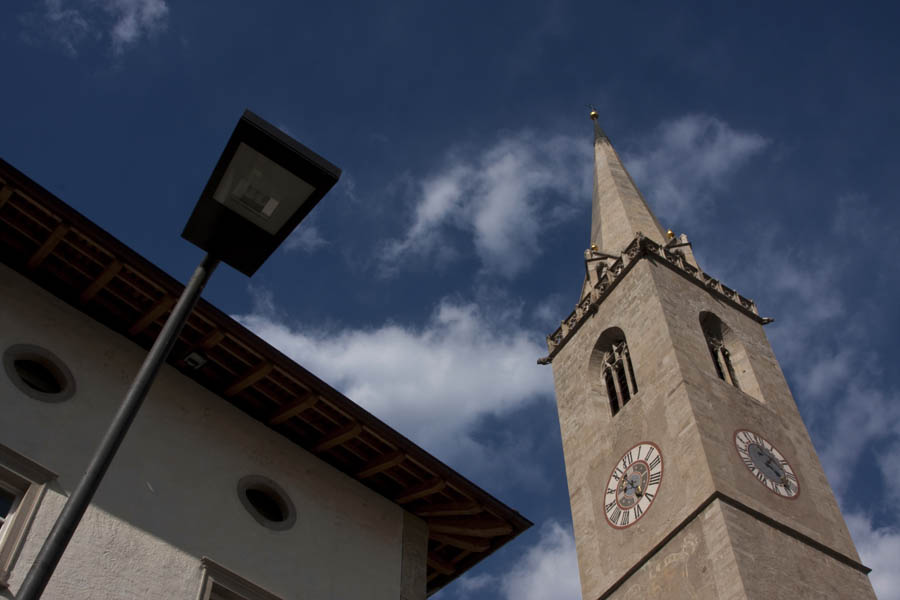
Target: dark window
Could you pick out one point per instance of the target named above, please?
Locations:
(38, 373)
(7, 500)
(38, 376)
(611, 391)
(618, 374)
(267, 503)
(715, 330)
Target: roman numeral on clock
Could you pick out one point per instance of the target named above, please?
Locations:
(654, 479)
(614, 517)
(637, 511)
(655, 462)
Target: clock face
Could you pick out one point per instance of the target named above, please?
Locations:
(766, 463)
(633, 485)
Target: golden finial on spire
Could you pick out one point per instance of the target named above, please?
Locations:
(594, 115)
(670, 234)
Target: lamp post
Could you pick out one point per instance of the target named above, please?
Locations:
(263, 185)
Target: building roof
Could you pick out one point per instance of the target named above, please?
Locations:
(53, 245)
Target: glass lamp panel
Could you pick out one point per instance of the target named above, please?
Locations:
(260, 190)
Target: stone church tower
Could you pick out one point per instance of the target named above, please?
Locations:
(691, 474)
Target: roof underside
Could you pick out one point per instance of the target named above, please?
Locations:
(61, 250)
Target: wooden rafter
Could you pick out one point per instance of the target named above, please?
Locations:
(449, 509)
(5, 194)
(159, 309)
(49, 244)
(111, 270)
(439, 565)
(426, 488)
(211, 340)
(382, 463)
(338, 437)
(482, 528)
(249, 378)
(293, 409)
(463, 542)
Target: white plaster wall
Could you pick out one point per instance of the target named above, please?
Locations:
(170, 495)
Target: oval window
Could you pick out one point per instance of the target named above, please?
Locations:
(266, 502)
(39, 373)
(38, 376)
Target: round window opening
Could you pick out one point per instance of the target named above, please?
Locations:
(39, 373)
(266, 502)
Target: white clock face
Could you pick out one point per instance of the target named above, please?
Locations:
(766, 463)
(633, 485)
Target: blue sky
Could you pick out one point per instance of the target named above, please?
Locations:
(424, 284)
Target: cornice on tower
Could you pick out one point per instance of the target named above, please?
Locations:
(619, 210)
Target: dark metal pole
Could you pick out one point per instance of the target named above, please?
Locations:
(55, 544)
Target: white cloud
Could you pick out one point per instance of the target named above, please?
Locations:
(305, 238)
(67, 25)
(134, 19)
(434, 382)
(550, 310)
(688, 158)
(861, 417)
(889, 462)
(504, 197)
(878, 549)
(473, 583)
(501, 198)
(546, 570)
(549, 569)
(70, 23)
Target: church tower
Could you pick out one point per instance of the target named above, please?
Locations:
(691, 474)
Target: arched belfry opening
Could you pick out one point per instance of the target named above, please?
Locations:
(729, 356)
(714, 330)
(612, 370)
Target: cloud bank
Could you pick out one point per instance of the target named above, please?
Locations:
(548, 569)
(502, 200)
(434, 382)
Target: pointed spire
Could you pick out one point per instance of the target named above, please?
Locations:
(619, 210)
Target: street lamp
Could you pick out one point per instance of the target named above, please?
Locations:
(263, 185)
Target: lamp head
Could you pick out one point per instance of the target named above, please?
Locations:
(263, 185)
